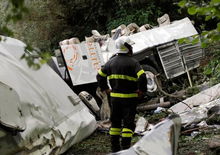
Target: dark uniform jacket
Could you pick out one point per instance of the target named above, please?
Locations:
(125, 76)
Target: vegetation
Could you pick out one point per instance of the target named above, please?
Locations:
(11, 12)
(196, 143)
(208, 12)
(212, 70)
(146, 14)
(43, 24)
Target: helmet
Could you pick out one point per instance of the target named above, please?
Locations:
(123, 44)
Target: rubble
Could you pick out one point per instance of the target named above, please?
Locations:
(195, 119)
(214, 142)
(163, 20)
(105, 111)
(161, 140)
(90, 102)
(141, 125)
(201, 98)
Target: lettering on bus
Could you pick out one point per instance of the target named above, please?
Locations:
(93, 55)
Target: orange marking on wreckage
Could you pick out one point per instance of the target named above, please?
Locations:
(69, 68)
(95, 59)
(92, 53)
(74, 57)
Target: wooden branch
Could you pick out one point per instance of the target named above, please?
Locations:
(153, 106)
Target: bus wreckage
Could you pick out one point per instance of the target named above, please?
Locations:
(40, 113)
(157, 49)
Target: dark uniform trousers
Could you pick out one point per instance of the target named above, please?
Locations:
(122, 118)
(125, 76)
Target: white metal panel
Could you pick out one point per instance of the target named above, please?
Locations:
(55, 117)
(171, 60)
(83, 61)
(160, 35)
(201, 98)
(146, 39)
(161, 140)
(10, 110)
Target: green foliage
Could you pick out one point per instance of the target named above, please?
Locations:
(35, 23)
(192, 91)
(140, 16)
(155, 118)
(35, 58)
(209, 11)
(212, 70)
(193, 40)
(17, 9)
(14, 11)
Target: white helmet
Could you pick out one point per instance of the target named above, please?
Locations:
(120, 44)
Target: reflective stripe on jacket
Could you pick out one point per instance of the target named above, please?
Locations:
(125, 76)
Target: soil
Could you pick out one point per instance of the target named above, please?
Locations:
(99, 144)
(199, 144)
(191, 143)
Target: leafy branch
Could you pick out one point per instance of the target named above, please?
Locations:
(15, 11)
(209, 11)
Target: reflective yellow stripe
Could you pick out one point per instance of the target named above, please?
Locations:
(140, 73)
(120, 95)
(127, 132)
(115, 131)
(101, 73)
(124, 77)
(123, 48)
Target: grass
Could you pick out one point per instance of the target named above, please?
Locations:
(198, 145)
(99, 143)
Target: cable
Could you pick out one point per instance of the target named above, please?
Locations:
(165, 93)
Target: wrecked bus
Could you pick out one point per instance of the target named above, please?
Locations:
(39, 113)
(157, 49)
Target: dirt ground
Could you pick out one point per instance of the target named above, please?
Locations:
(199, 144)
(98, 144)
(190, 143)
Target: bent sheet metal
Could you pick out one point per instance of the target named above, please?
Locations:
(39, 113)
(161, 140)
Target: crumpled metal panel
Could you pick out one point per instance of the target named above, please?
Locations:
(83, 61)
(194, 109)
(10, 102)
(203, 97)
(161, 140)
(153, 37)
(177, 58)
(197, 114)
(54, 115)
(171, 59)
(164, 34)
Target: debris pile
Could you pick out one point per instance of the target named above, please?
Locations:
(190, 117)
(121, 30)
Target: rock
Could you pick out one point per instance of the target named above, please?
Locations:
(214, 142)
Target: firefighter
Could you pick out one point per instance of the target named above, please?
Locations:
(127, 83)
